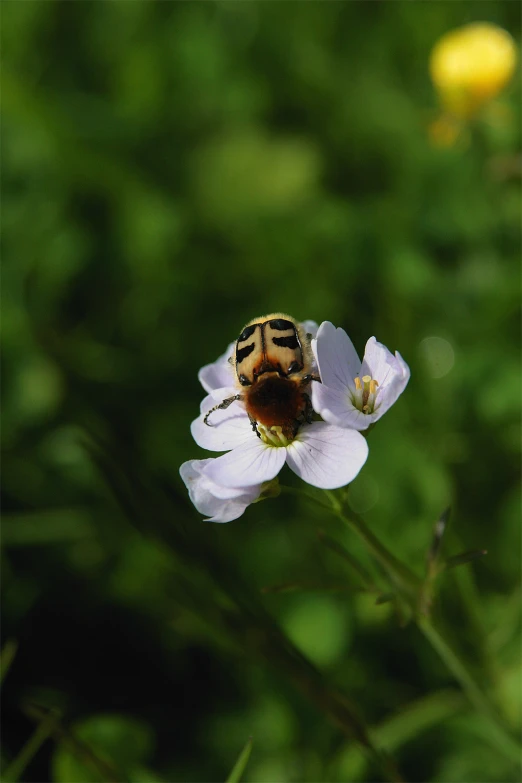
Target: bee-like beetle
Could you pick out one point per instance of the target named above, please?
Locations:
(273, 359)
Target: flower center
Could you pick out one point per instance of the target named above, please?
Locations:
(365, 393)
(273, 436)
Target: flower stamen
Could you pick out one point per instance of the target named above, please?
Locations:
(365, 393)
(273, 436)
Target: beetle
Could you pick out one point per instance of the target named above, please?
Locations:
(273, 366)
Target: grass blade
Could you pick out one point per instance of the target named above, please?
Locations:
(465, 557)
(242, 761)
(7, 658)
(17, 767)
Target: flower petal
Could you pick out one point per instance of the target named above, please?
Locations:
(228, 428)
(250, 463)
(336, 357)
(218, 373)
(391, 372)
(393, 388)
(378, 362)
(327, 456)
(216, 396)
(310, 327)
(220, 504)
(336, 407)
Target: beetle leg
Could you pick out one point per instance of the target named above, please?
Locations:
(305, 416)
(253, 422)
(307, 378)
(222, 406)
(308, 411)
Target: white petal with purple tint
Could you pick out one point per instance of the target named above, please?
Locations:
(336, 399)
(327, 456)
(229, 428)
(218, 373)
(218, 504)
(216, 396)
(336, 357)
(252, 462)
(336, 407)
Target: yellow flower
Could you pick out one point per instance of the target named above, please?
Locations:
(470, 65)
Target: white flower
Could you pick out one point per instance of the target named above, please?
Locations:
(322, 454)
(354, 394)
(219, 504)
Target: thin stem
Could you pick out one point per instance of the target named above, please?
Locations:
(17, 767)
(339, 550)
(303, 493)
(7, 657)
(505, 741)
(401, 576)
(411, 588)
(241, 762)
(79, 748)
(236, 614)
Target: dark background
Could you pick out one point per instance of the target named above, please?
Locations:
(169, 171)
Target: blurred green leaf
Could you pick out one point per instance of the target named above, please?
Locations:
(119, 740)
(320, 627)
(406, 725)
(247, 174)
(291, 587)
(7, 657)
(46, 527)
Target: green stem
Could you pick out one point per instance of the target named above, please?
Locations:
(241, 762)
(401, 577)
(7, 657)
(17, 767)
(504, 740)
(80, 749)
(411, 588)
(303, 493)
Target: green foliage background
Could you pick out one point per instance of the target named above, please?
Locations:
(169, 171)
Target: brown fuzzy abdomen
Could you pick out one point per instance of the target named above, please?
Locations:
(273, 400)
